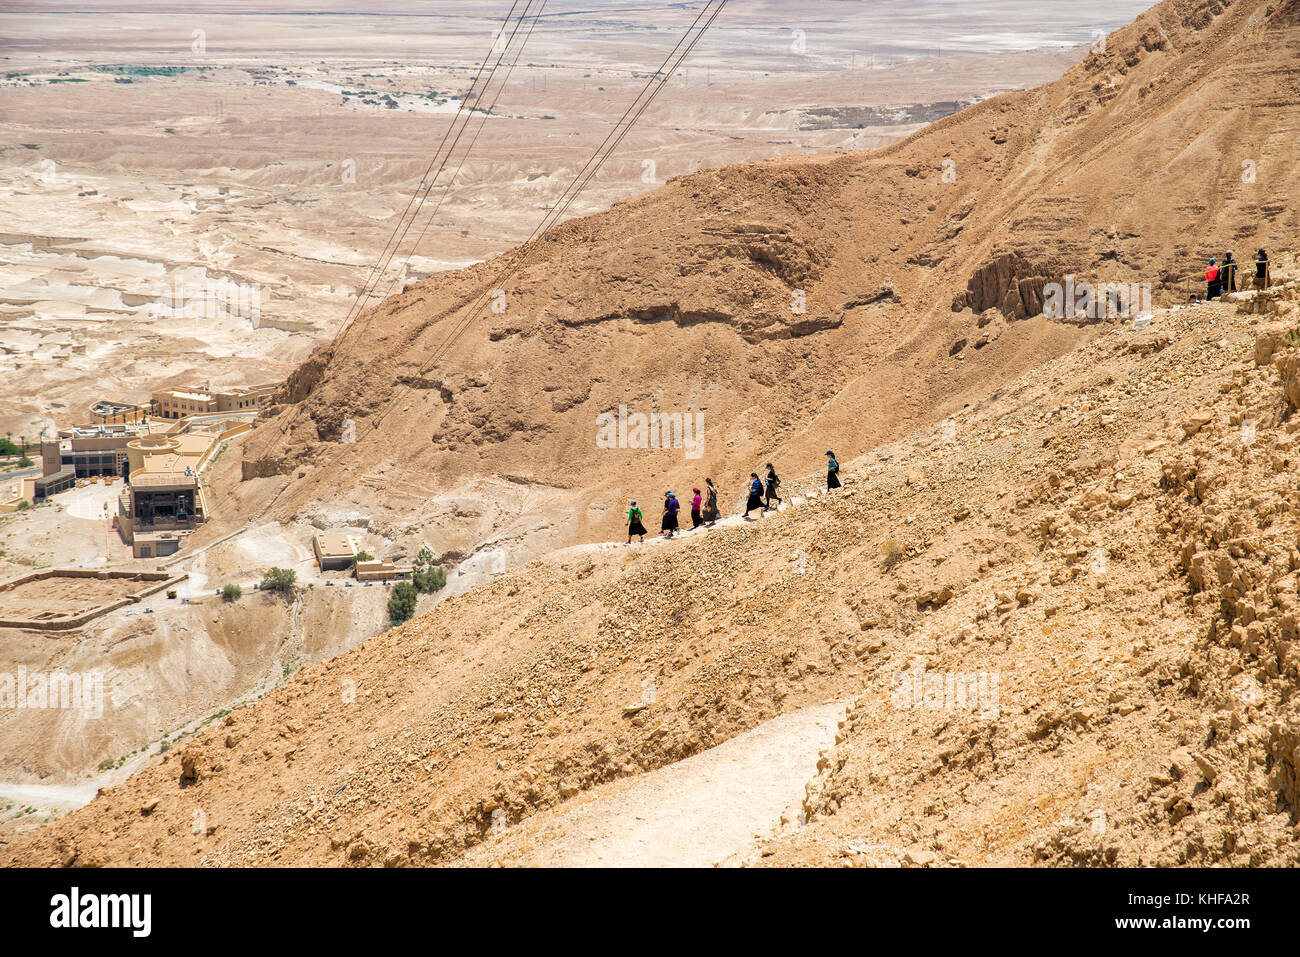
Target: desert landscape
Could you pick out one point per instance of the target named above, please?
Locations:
(207, 208)
(1049, 619)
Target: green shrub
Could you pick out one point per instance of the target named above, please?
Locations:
(429, 580)
(231, 592)
(426, 576)
(363, 556)
(279, 579)
(401, 603)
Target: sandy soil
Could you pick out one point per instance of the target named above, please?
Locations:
(711, 809)
(58, 596)
(1138, 720)
(963, 558)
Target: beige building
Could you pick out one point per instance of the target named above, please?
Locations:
(185, 402)
(335, 550)
(378, 571)
(164, 499)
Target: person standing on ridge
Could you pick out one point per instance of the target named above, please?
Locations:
(1211, 280)
(635, 525)
(1261, 269)
(832, 471)
(770, 487)
(755, 494)
(1228, 274)
(711, 514)
(696, 518)
(671, 508)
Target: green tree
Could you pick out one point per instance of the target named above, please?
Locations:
(279, 579)
(429, 580)
(425, 575)
(401, 603)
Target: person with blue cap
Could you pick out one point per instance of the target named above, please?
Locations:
(755, 500)
(832, 471)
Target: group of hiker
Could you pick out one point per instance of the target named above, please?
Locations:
(763, 492)
(1221, 277)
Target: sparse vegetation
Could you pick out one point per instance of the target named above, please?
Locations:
(425, 576)
(401, 603)
(279, 579)
(145, 70)
(892, 551)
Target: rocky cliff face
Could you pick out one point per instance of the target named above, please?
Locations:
(791, 299)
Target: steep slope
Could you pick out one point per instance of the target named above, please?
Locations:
(1096, 532)
(1112, 539)
(799, 304)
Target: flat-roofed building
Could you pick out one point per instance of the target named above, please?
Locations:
(164, 500)
(335, 550)
(55, 477)
(189, 401)
(377, 571)
(102, 449)
(43, 486)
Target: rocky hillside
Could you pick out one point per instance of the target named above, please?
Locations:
(801, 303)
(1057, 599)
(1108, 548)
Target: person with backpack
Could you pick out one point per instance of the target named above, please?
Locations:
(832, 471)
(635, 523)
(755, 494)
(711, 513)
(1212, 280)
(1261, 269)
(770, 487)
(671, 508)
(1228, 274)
(696, 518)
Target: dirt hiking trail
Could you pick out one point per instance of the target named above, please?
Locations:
(708, 810)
